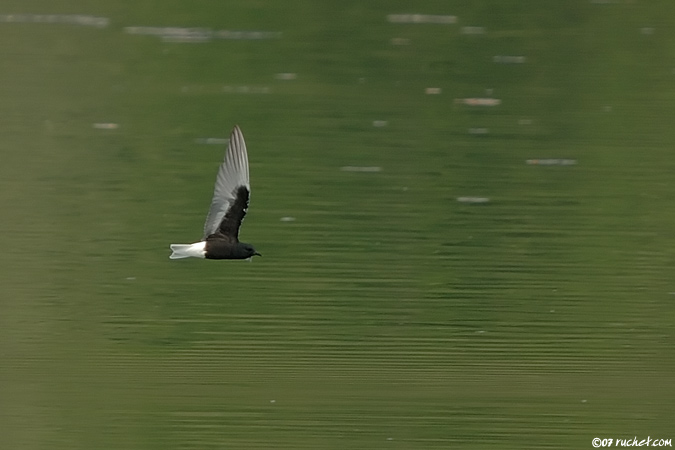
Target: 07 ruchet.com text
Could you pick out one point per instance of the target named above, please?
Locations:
(628, 442)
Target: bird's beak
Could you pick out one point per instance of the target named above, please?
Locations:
(256, 253)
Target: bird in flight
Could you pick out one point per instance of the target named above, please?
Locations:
(228, 208)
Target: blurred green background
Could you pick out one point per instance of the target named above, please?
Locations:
(387, 314)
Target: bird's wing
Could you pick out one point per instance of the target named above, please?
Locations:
(231, 194)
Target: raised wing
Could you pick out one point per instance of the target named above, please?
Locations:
(232, 190)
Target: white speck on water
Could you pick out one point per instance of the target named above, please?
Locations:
(472, 30)
(106, 126)
(131, 278)
(508, 59)
(583, 401)
(380, 123)
(473, 199)
(400, 41)
(287, 219)
(478, 101)
(211, 141)
(433, 91)
(421, 18)
(273, 401)
(551, 162)
(286, 76)
(361, 169)
(72, 19)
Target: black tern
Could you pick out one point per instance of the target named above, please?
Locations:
(228, 208)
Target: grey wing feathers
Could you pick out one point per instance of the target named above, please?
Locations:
(232, 174)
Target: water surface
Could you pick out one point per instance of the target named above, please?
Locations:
(387, 314)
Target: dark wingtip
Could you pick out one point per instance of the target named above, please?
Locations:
(256, 253)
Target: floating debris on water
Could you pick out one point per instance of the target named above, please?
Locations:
(473, 199)
(507, 59)
(361, 169)
(432, 91)
(473, 30)
(478, 131)
(196, 34)
(228, 89)
(106, 126)
(211, 141)
(173, 34)
(551, 162)
(287, 219)
(71, 19)
(286, 76)
(380, 123)
(421, 18)
(247, 89)
(247, 35)
(400, 41)
(478, 101)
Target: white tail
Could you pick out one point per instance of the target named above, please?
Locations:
(196, 250)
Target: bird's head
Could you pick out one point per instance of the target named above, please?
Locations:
(247, 250)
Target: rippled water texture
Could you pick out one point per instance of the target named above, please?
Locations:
(466, 219)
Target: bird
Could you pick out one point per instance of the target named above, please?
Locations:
(228, 207)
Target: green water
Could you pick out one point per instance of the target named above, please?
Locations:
(388, 314)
